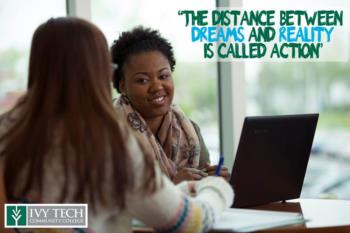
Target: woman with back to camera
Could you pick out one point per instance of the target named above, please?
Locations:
(64, 143)
(145, 62)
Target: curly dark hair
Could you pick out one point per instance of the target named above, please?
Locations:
(136, 41)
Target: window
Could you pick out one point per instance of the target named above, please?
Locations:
(306, 87)
(18, 20)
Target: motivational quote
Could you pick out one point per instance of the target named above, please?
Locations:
(253, 34)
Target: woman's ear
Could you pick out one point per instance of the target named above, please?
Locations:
(122, 87)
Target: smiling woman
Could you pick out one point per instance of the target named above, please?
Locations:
(144, 78)
(149, 70)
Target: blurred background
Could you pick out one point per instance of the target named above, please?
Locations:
(270, 88)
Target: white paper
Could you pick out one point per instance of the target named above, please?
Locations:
(246, 220)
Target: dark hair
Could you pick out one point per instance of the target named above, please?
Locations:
(69, 102)
(136, 41)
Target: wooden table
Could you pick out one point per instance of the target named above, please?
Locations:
(324, 216)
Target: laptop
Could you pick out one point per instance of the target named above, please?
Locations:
(272, 158)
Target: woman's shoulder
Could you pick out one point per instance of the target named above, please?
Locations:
(195, 126)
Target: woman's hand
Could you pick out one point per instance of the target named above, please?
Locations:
(223, 171)
(189, 174)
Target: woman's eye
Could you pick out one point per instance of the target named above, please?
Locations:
(142, 80)
(164, 76)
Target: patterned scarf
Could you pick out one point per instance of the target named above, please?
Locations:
(176, 144)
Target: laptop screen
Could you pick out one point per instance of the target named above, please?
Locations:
(272, 158)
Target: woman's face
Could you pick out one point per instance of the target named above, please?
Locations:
(148, 83)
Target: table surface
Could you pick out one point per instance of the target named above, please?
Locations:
(323, 216)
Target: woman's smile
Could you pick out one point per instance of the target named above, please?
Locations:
(157, 99)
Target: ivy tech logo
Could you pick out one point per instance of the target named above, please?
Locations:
(16, 215)
(46, 215)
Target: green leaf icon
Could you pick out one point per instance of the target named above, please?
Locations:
(16, 215)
